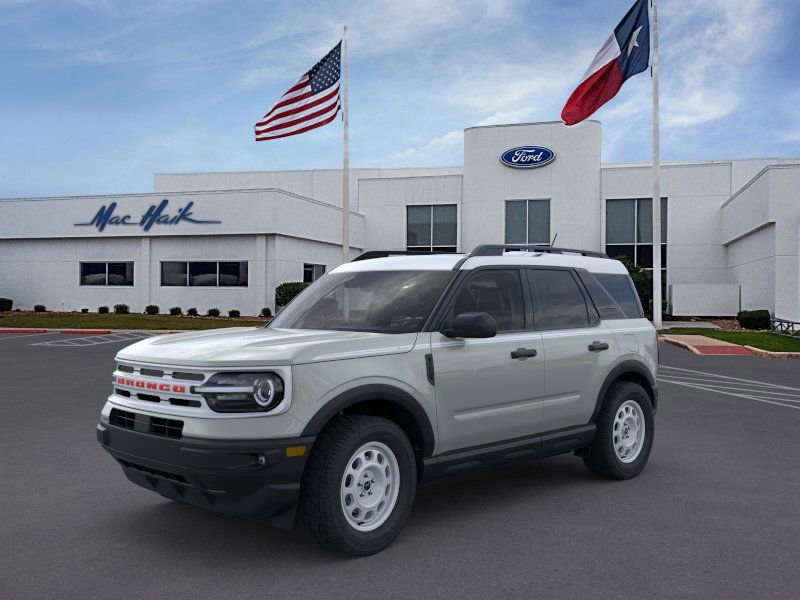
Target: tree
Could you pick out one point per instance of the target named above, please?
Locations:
(641, 280)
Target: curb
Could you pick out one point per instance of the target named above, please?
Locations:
(23, 330)
(755, 351)
(683, 345)
(771, 354)
(86, 331)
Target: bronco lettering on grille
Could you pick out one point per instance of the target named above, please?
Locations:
(150, 385)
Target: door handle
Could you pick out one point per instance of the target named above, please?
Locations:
(523, 353)
(598, 346)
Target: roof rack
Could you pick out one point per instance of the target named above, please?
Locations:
(498, 249)
(384, 253)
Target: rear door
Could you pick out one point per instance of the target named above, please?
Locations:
(483, 393)
(579, 349)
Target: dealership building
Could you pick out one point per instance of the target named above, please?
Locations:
(730, 228)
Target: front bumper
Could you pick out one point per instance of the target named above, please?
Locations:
(249, 478)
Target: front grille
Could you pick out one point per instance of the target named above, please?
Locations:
(168, 428)
(122, 418)
(185, 402)
(171, 428)
(161, 386)
(189, 376)
(148, 397)
(151, 372)
(156, 472)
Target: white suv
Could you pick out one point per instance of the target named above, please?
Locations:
(386, 371)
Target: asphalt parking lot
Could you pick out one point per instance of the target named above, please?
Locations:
(716, 514)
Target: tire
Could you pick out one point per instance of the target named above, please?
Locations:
(378, 458)
(614, 453)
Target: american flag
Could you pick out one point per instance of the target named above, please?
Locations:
(310, 103)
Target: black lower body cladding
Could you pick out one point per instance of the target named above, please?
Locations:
(248, 478)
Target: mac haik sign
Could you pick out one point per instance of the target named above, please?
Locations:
(156, 216)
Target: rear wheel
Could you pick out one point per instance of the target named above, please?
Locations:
(624, 435)
(359, 485)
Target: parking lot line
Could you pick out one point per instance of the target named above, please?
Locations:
(27, 335)
(671, 372)
(727, 393)
(749, 389)
(94, 340)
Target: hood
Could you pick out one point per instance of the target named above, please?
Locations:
(257, 346)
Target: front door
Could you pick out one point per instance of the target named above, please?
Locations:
(483, 393)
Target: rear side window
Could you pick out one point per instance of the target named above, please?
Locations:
(620, 288)
(605, 304)
(560, 302)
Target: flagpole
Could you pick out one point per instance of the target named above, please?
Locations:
(656, 204)
(345, 160)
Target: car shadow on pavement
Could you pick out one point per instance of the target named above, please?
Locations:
(165, 526)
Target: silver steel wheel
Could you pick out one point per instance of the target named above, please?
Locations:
(629, 431)
(370, 485)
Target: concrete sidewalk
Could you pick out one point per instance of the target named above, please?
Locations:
(700, 344)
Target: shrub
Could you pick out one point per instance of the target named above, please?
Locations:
(213, 312)
(641, 281)
(121, 309)
(175, 310)
(192, 312)
(102, 310)
(39, 308)
(266, 312)
(6, 304)
(754, 319)
(152, 309)
(285, 292)
(84, 310)
(234, 314)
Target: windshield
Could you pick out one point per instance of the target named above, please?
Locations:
(378, 301)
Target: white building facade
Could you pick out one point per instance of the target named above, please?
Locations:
(730, 229)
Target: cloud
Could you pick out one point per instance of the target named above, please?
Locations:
(708, 48)
(450, 139)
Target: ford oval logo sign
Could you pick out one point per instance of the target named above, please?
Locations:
(527, 157)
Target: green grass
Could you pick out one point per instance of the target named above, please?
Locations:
(56, 320)
(757, 339)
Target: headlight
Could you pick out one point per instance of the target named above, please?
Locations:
(242, 392)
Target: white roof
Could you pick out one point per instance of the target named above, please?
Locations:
(446, 262)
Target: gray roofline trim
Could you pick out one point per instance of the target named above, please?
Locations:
(190, 193)
(379, 179)
(756, 177)
(525, 124)
(353, 169)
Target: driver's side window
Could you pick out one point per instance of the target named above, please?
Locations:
(496, 292)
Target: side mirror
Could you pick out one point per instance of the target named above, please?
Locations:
(472, 325)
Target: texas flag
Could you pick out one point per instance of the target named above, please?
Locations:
(625, 53)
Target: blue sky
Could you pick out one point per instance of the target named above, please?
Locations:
(97, 95)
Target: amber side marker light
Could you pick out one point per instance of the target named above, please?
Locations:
(295, 451)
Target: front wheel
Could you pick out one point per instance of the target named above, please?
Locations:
(359, 485)
(624, 435)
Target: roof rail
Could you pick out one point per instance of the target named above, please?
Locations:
(498, 249)
(384, 253)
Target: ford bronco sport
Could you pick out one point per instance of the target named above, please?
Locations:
(389, 370)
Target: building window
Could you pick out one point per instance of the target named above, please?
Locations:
(204, 273)
(528, 222)
(312, 272)
(432, 227)
(629, 232)
(107, 273)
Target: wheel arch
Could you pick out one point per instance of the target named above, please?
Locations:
(629, 370)
(384, 401)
